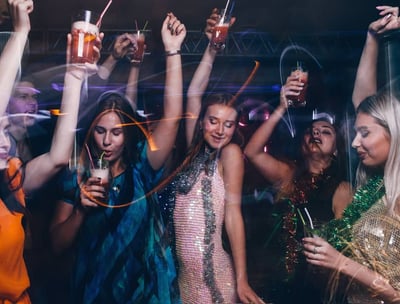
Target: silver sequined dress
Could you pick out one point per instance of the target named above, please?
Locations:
(206, 272)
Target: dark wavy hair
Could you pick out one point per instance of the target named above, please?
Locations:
(115, 102)
(339, 160)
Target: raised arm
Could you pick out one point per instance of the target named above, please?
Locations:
(163, 137)
(11, 55)
(274, 170)
(40, 169)
(366, 78)
(133, 78)
(200, 79)
(123, 44)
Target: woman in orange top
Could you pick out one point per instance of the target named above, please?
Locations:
(15, 180)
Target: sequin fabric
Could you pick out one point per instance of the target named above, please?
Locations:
(376, 244)
(206, 272)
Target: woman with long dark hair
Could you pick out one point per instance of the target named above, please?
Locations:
(315, 183)
(122, 254)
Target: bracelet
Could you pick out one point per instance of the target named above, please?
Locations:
(172, 53)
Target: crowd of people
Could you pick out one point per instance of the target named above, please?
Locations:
(166, 229)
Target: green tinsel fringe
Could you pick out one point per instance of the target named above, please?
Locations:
(339, 230)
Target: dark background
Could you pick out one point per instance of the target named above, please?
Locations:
(331, 31)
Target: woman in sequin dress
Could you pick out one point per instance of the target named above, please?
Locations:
(208, 195)
(123, 255)
(316, 181)
(364, 244)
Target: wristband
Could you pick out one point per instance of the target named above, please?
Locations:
(172, 53)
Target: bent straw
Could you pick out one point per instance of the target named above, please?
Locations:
(90, 156)
(102, 13)
(226, 7)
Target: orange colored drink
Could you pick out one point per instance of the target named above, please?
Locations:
(84, 31)
(83, 40)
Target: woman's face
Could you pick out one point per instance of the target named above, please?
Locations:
(219, 125)
(320, 138)
(372, 141)
(5, 143)
(109, 136)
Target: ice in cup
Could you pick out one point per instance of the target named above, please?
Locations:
(302, 74)
(220, 32)
(137, 54)
(84, 32)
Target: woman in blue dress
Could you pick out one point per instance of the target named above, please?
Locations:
(123, 255)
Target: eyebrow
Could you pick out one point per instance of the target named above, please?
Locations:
(214, 117)
(361, 128)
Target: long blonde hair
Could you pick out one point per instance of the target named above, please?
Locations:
(384, 107)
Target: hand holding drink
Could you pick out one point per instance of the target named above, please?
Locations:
(302, 75)
(220, 31)
(99, 177)
(136, 54)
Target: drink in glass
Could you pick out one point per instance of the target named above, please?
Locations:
(302, 74)
(220, 32)
(137, 54)
(84, 32)
(102, 172)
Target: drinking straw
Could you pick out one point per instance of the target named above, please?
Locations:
(90, 156)
(145, 25)
(301, 217)
(137, 27)
(309, 218)
(226, 7)
(103, 12)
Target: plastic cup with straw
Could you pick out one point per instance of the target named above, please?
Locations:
(220, 32)
(136, 57)
(99, 168)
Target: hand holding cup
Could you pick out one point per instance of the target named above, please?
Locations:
(298, 98)
(220, 29)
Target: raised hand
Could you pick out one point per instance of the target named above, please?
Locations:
(212, 21)
(292, 87)
(123, 44)
(80, 71)
(173, 33)
(389, 20)
(19, 11)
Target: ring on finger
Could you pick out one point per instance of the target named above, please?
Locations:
(169, 26)
(315, 250)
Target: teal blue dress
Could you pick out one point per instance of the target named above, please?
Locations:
(123, 254)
